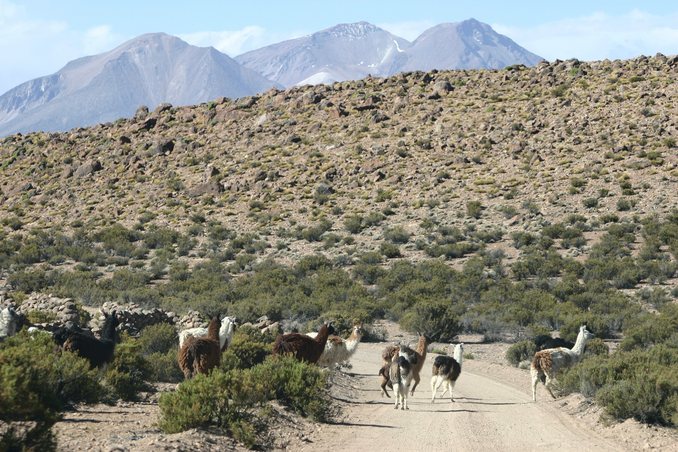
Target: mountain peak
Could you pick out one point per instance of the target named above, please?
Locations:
(351, 30)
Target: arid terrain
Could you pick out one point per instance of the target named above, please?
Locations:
(492, 410)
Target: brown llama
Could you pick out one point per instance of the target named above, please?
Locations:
(301, 346)
(199, 355)
(420, 351)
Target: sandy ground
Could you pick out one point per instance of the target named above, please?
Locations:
(492, 410)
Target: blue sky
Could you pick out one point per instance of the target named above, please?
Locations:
(38, 37)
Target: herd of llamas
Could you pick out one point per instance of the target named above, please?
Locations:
(200, 351)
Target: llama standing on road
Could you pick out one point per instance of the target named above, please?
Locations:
(199, 355)
(390, 355)
(400, 376)
(547, 364)
(446, 370)
(421, 357)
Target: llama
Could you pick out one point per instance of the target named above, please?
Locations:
(419, 362)
(400, 376)
(303, 348)
(446, 369)
(228, 325)
(338, 350)
(97, 351)
(547, 364)
(199, 355)
(9, 322)
(391, 353)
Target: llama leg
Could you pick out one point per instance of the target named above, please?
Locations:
(535, 381)
(404, 405)
(547, 385)
(416, 379)
(434, 388)
(396, 395)
(450, 385)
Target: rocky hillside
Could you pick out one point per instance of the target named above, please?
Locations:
(345, 164)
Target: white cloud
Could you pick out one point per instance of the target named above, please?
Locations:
(231, 42)
(408, 30)
(599, 36)
(99, 39)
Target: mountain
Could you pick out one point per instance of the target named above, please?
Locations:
(148, 70)
(343, 52)
(352, 51)
(465, 45)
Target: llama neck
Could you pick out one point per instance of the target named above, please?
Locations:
(323, 334)
(213, 329)
(421, 346)
(108, 331)
(578, 349)
(458, 353)
(353, 341)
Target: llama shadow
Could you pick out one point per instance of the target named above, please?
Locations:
(461, 410)
(79, 421)
(497, 403)
(353, 424)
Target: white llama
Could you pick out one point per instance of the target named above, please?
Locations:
(225, 333)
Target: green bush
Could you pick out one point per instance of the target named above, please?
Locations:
(437, 319)
(520, 351)
(231, 400)
(639, 384)
(126, 375)
(36, 384)
(248, 348)
(158, 338)
(397, 234)
(226, 400)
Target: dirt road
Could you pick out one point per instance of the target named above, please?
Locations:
(487, 414)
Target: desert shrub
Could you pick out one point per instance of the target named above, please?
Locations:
(248, 348)
(640, 384)
(520, 351)
(652, 329)
(226, 400)
(158, 338)
(230, 399)
(163, 367)
(474, 209)
(436, 318)
(126, 375)
(36, 382)
(300, 386)
(397, 234)
(596, 346)
(353, 223)
(596, 324)
(390, 250)
(159, 237)
(158, 345)
(373, 219)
